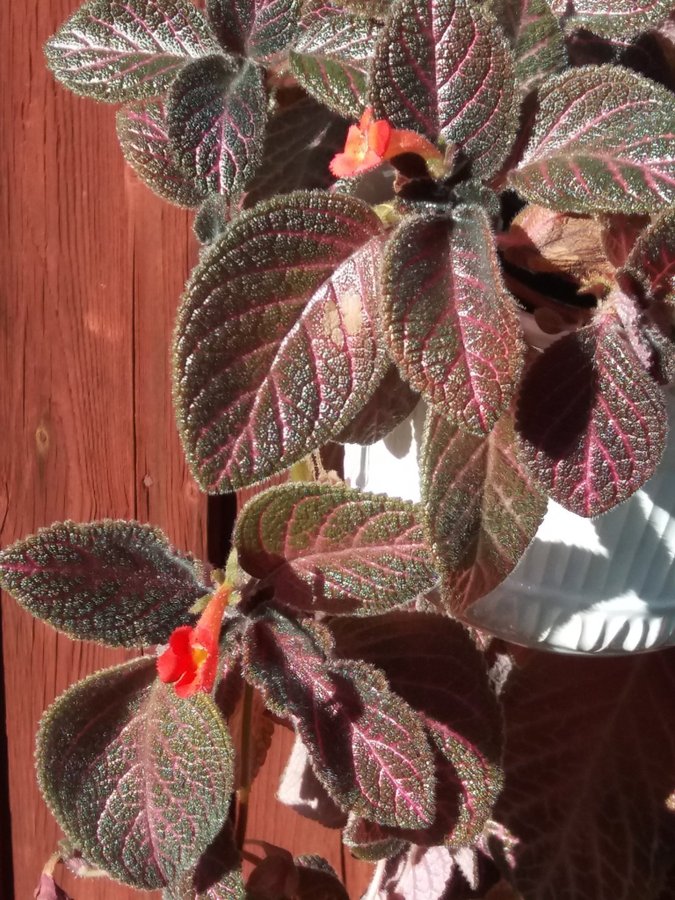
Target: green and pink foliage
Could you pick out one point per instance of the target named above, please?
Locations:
(513, 163)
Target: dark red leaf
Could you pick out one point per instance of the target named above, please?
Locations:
(452, 325)
(612, 18)
(443, 68)
(591, 423)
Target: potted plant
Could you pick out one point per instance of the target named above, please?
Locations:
(395, 201)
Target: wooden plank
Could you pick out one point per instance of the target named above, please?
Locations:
(90, 274)
(92, 269)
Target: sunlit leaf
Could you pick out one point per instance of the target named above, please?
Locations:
(452, 324)
(256, 28)
(537, 40)
(652, 259)
(366, 744)
(590, 761)
(300, 141)
(392, 402)
(216, 114)
(370, 841)
(432, 663)
(443, 68)
(480, 509)
(127, 49)
(217, 875)
(612, 18)
(604, 141)
(334, 548)
(137, 778)
(591, 422)
(116, 582)
(331, 60)
(277, 343)
(143, 136)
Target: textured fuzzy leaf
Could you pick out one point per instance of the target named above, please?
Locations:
(480, 509)
(276, 344)
(143, 136)
(652, 259)
(603, 141)
(216, 115)
(369, 841)
(331, 60)
(334, 548)
(116, 582)
(127, 49)
(591, 423)
(137, 778)
(590, 756)
(432, 663)
(366, 744)
(300, 142)
(443, 69)
(537, 40)
(392, 402)
(256, 28)
(217, 875)
(300, 789)
(317, 880)
(612, 18)
(452, 324)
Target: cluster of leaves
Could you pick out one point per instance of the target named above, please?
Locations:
(324, 311)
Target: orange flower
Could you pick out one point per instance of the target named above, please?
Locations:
(371, 142)
(191, 659)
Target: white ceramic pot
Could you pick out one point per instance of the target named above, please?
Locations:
(603, 586)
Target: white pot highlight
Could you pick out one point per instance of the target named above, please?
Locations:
(600, 586)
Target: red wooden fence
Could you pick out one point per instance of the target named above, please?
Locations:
(91, 268)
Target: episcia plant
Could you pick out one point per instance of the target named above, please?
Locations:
(464, 203)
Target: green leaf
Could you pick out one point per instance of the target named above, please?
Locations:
(334, 548)
(443, 68)
(481, 510)
(117, 50)
(612, 18)
(367, 746)
(603, 141)
(257, 28)
(591, 423)
(331, 60)
(537, 41)
(651, 261)
(216, 113)
(119, 583)
(452, 325)
(217, 875)
(277, 342)
(300, 141)
(137, 778)
(143, 136)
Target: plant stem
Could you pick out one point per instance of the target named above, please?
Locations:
(244, 790)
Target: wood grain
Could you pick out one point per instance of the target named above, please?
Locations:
(91, 269)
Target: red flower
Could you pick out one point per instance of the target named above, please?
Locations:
(371, 142)
(191, 659)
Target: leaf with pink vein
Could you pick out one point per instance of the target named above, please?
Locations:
(216, 115)
(615, 19)
(117, 50)
(333, 548)
(452, 325)
(591, 423)
(367, 746)
(138, 779)
(443, 68)
(603, 141)
(277, 344)
(480, 508)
